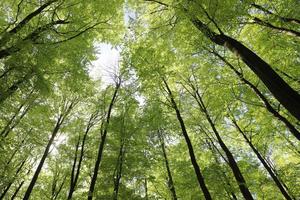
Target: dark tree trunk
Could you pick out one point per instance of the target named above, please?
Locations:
(46, 152)
(12, 89)
(265, 164)
(268, 106)
(13, 179)
(17, 190)
(197, 170)
(118, 170)
(171, 185)
(222, 173)
(277, 28)
(146, 189)
(55, 191)
(230, 158)
(59, 122)
(76, 169)
(101, 145)
(286, 95)
(284, 19)
(72, 179)
(6, 72)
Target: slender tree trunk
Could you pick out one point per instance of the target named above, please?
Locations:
(12, 119)
(286, 95)
(45, 154)
(284, 19)
(101, 146)
(6, 72)
(265, 164)
(17, 190)
(13, 179)
(59, 122)
(20, 185)
(268, 106)
(288, 75)
(12, 89)
(76, 170)
(146, 189)
(171, 185)
(72, 178)
(197, 170)
(118, 170)
(222, 173)
(56, 192)
(230, 158)
(15, 122)
(277, 28)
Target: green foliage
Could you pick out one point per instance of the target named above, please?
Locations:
(43, 66)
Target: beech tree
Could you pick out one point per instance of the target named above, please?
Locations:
(149, 99)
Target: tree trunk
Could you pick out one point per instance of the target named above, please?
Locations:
(76, 170)
(13, 179)
(265, 164)
(230, 158)
(268, 106)
(222, 173)
(170, 178)
(59, 122)
(12, 89)
(277, 28)
(101, 146)
(17, 190)
(284, 19)
(146, 189)
(286, 95)
(118, 170)
(197, 170)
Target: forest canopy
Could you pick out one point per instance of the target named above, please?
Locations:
(196, 99)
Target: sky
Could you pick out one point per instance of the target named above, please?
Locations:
(106, 64)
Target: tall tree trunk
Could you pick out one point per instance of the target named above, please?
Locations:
(118, 170)
(222, 173)
(284, 19)
(171, 185)
(146, 189)
(265, 164)
(59, 122)
(197, 170)
(76, 169)
(277, 28)
(2, 195)
(268, 106)
(17, 190)
(286, 95)
(56, 191)
(101, 145)
(230, 158)
(21, 184)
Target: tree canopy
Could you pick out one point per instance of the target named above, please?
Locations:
(202, 103)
